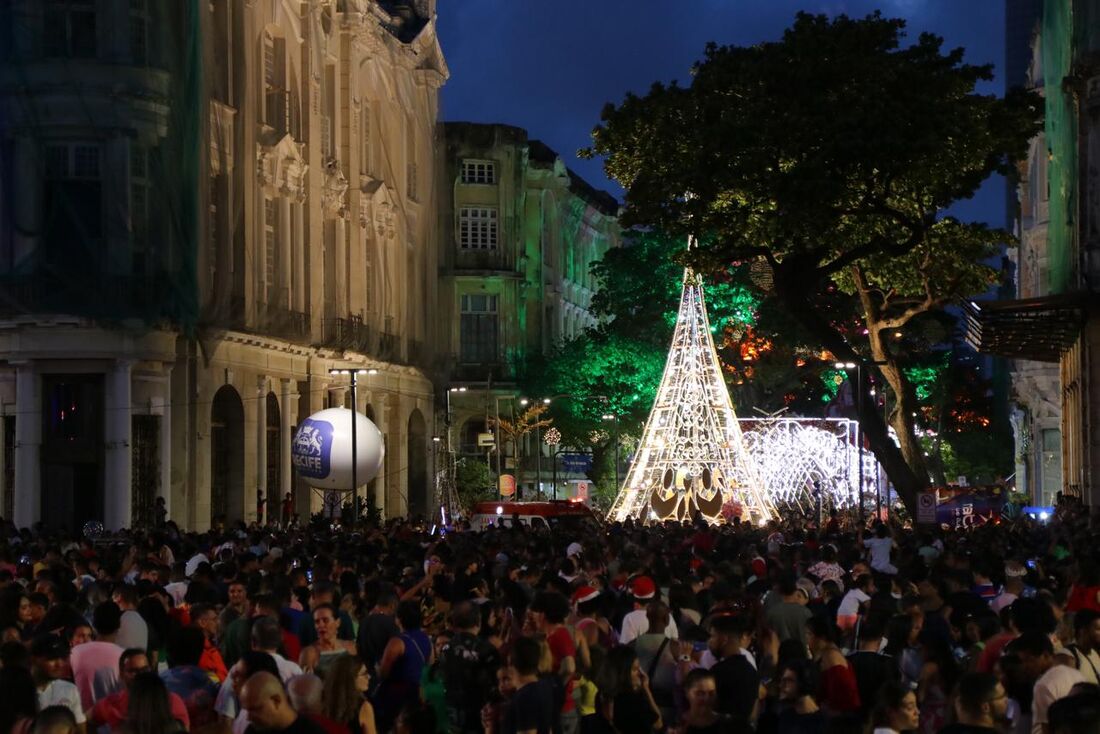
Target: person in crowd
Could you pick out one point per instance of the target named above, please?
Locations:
(187, 680)
(50, 663)
(402, 664)
(227, 704)
(787, 615)
(896, 710)
(1085, 649)
(323, 592)
(306, 693)
(854, 601)
(149, 710)
(981, 705)
(345, 695)
(95, 664)
(236, 608)
(880, 549)
(548, 611)
(19, 704)
(327, 648)
(269, 710)
(468, 664)
(838, 691)
(205, 617)
(55, 720)
(377, 629)
(870, 665)
(132, 629)
(635, 623)
(1052, 680)
(795, 709)
(737, 682)
(533, 707)
(701, 715)
(633, 706)
(655, 656)
(110, 711)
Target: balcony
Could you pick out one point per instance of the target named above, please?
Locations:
(279, 321)
(347, 334)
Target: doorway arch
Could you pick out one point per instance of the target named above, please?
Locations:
(226, 456)
(417, 461)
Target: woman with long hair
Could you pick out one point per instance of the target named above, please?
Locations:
(403, 663)
(148, 710)
(938, 676)
(896, 710)
(19, 703)
(624, 681)
(345, 695)
(794, 710)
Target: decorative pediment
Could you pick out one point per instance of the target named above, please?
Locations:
(282, 168)
(335, 191)
(378, 208)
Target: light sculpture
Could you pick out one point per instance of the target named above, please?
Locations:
(691, 457)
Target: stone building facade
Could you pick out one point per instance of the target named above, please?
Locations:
(262, 211)
(518, 234)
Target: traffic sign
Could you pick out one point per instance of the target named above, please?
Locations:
(926, 508)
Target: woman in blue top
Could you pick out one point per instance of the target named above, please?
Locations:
(403, 662)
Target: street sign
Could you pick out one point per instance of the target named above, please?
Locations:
(485, 440)
(582, 491)
(926, 508)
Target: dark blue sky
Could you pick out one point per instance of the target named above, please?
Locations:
(550, 65)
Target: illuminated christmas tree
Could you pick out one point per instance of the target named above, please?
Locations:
(692, 456)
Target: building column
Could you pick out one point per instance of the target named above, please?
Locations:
(164, 488)
(118, 434)
(288, 410)
(261, 444)
(378, 402)
(397, 479)
(27, 507)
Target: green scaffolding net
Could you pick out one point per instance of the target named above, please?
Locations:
(100, 153)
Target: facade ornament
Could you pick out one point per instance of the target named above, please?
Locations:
(335, 190)
(282, 167)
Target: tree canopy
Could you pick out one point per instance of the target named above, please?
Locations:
(826, 159)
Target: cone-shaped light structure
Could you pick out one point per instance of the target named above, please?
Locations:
(691, 456)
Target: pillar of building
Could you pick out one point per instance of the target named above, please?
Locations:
(252, 511)
(118, 462)
(27, 507)
(288, 411)
(164, 487)
(378, 402)
(397, 474)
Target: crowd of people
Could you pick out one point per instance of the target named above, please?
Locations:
(687, 628)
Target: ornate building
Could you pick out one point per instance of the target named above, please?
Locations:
(1056, 318)
(518, 234)
(204, 207)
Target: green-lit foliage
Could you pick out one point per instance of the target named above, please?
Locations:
(474, 481)
(826, 159)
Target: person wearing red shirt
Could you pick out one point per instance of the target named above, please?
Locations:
(205, 617)
(549, 609)
(111, 711)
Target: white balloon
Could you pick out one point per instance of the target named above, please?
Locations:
(321, 452)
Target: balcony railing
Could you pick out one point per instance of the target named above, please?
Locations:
(277, 320)
(347, 334)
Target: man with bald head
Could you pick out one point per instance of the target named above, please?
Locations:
(306, 695)
(269, 710)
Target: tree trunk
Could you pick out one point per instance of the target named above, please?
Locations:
(793, 287)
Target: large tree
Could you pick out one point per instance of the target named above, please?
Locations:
(827, 158)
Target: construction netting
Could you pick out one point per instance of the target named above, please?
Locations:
(100, 153)
(1061, 140)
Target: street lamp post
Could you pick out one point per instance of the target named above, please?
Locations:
(858, 367)
(615, 418)
(353, 375)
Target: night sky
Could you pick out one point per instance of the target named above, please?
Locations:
(550, 65)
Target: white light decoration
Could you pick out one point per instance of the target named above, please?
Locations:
(691, 457)
(794, 456)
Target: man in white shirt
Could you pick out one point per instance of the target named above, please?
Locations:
(1083, 651)
(880, 547)
(636, 623)
(847, 614)
(266, 636)
(1052, 681)
(49, 655)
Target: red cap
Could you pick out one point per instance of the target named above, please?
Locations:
(643, 588)
(583, 594)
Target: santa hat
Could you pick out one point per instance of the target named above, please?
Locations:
(584, 593)
(643, 588)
